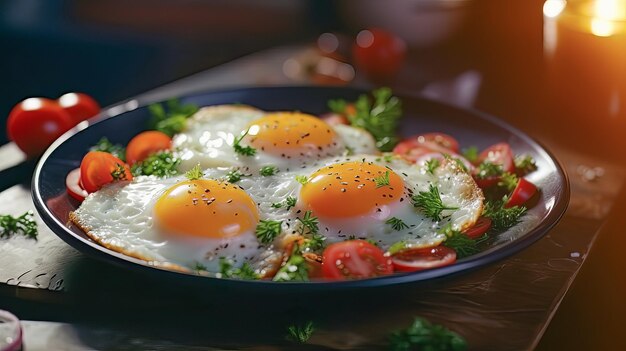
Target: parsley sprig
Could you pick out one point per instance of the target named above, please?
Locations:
(267, 171)
(105, 145)
(379, 117)
(289, 202)
(23, 225)
(300, 333)
(161, 164)
(267, 230)
(309, 224)
(423, 335)
(234, 176)
(430, 203)
(195, 173)
(302, 179)
(245, 272)
(172, 118)
(243, 150)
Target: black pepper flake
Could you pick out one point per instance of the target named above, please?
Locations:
(343, 190)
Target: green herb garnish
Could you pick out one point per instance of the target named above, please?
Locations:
(302, 179)
(525, 164)
(309, 223)
(173, 120)
(431, 165)
(397, 247)
(234, 176)
(471, 154)
(508, 181)
(105, 145)
(430, 203)
(267, 230)
(489, 169)
(267, 171)
(23, 225)
(295, 269)
(119, 173)
(396, 223)
(245, 272)
(300, 333)
(382, 180)
(199, 267)
(161, 164)
(461, 243)
(243, 150)
(380, 118)
(315, 243)
(502, 218)
(195, 173)
(423, 335)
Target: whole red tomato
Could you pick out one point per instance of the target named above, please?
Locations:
(378, 54)
(35, 123)
(79, 106)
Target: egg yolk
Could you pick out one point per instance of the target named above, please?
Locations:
(289, 134)
(206, 208)
(351, 189)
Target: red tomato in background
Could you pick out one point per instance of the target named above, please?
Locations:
(146, 143)
(98, 168)
(79, 106)
(500, 154)
(423, 258)
(354, 259)
(378, 54)
(35, 123)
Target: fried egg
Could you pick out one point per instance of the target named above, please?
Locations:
(282, 139)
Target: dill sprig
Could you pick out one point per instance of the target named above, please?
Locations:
(383, 180)
(173, 119)
(105, 145)
(508, 181)
(23, 225)
(300, 333)
(195, 173)
(309, 223)
(245, 272)
(461, 243)
(430, 203)
(502, 218)
(267, 230)
(525, 164)
(489, 169)
(295, 269)
(289, 202)
(267, 171)
(243, 150)
(423, 335)
(380, 117)
(431, 165)
(396, 223)
(160, 164)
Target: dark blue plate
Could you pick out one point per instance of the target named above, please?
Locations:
(122, 122)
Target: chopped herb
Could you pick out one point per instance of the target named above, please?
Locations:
(234, 176)
(431, 165)
(195, 173)
(397, 247)
(105, 145)
(290, 202)
(173, 120)
(396, 223)
(295, 269)
(245, 272)
(502, 218)
(199, 267)
(382, 180)
(314, 243)
(373, 242)
(243, 150)
(423, 335)
(300, 333)
(276, 205)
(119, 173)
(267, 171)
(525, 164)
(309, 223)
(380, 118)
(461, 243)
(161, 164)
(302, 179)
(471, 154)
(267, 230)
(508, 181)
(23, 225)
(430, 203)
(349, 151)
(489, 169)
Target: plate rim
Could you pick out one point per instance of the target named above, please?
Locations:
(484, 258)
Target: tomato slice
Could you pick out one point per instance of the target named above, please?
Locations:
(481, 226)
(524, 190)
(99, 168)
(146, 143)
(499, 154)
(416, 146)
(79, 106)
(74, 187)
(410, 260)
(354, 259)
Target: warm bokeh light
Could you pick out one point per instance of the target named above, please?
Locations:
(605, 13)
(553, 8)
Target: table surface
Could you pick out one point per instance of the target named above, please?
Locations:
(505, 306)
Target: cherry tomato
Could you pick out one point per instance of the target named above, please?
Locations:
(524, 190)
(423, 258)
(416, 146)
(79, 106)
(74, 186)
(146, 143)
(481, 226)
(378, 53)
(354, 259)
(499, 154)
(334, 119)
(35, 123)
(99, 168)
